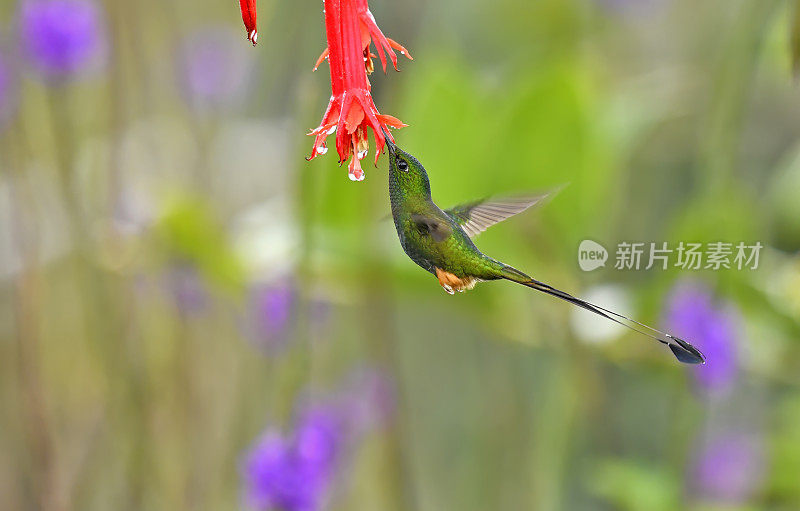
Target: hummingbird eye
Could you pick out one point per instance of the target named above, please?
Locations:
(402, 165)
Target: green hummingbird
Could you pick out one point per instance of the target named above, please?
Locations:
(440, 241)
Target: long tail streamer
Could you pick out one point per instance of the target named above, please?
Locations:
(682, 350)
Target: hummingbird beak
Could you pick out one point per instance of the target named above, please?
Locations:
(389, 144)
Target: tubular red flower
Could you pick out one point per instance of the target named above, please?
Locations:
(249, 17)
(350, 27)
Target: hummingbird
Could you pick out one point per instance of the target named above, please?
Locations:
(440, 241)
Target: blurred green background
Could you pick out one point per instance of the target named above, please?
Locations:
(175, 277)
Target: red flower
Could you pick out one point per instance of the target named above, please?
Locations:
(248, 8)
(350, 27)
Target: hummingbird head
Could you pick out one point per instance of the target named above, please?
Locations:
(406, 171)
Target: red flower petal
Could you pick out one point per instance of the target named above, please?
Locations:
(399, 47)
(353, 118)
(249, 17)
(322, 57)
(392, 121)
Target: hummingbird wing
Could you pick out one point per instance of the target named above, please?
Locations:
(478, 216)
(437, 228)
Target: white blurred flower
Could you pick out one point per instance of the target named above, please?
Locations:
(593, 329)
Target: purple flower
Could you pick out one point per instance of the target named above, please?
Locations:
(271, 476)
(294, 473)
(187, 288)
(7, 90)
(729, 468)
(4, 79)
(692, 314)
(62, 38)
(370, 397)
(318, 440)
(215, 68)
(270, 313)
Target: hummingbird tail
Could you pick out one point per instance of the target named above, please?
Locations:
(682, 350)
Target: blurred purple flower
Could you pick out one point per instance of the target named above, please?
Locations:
(319, 438)
(271, 478)
(270, 313)
(370, 398)
(214, 68)
(187, 288)
(294, 473)
(693, 315)
(7, 89)
(4, 79)
(729, 468)
(62, 38)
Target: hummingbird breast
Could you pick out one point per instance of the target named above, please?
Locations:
(411, 245)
